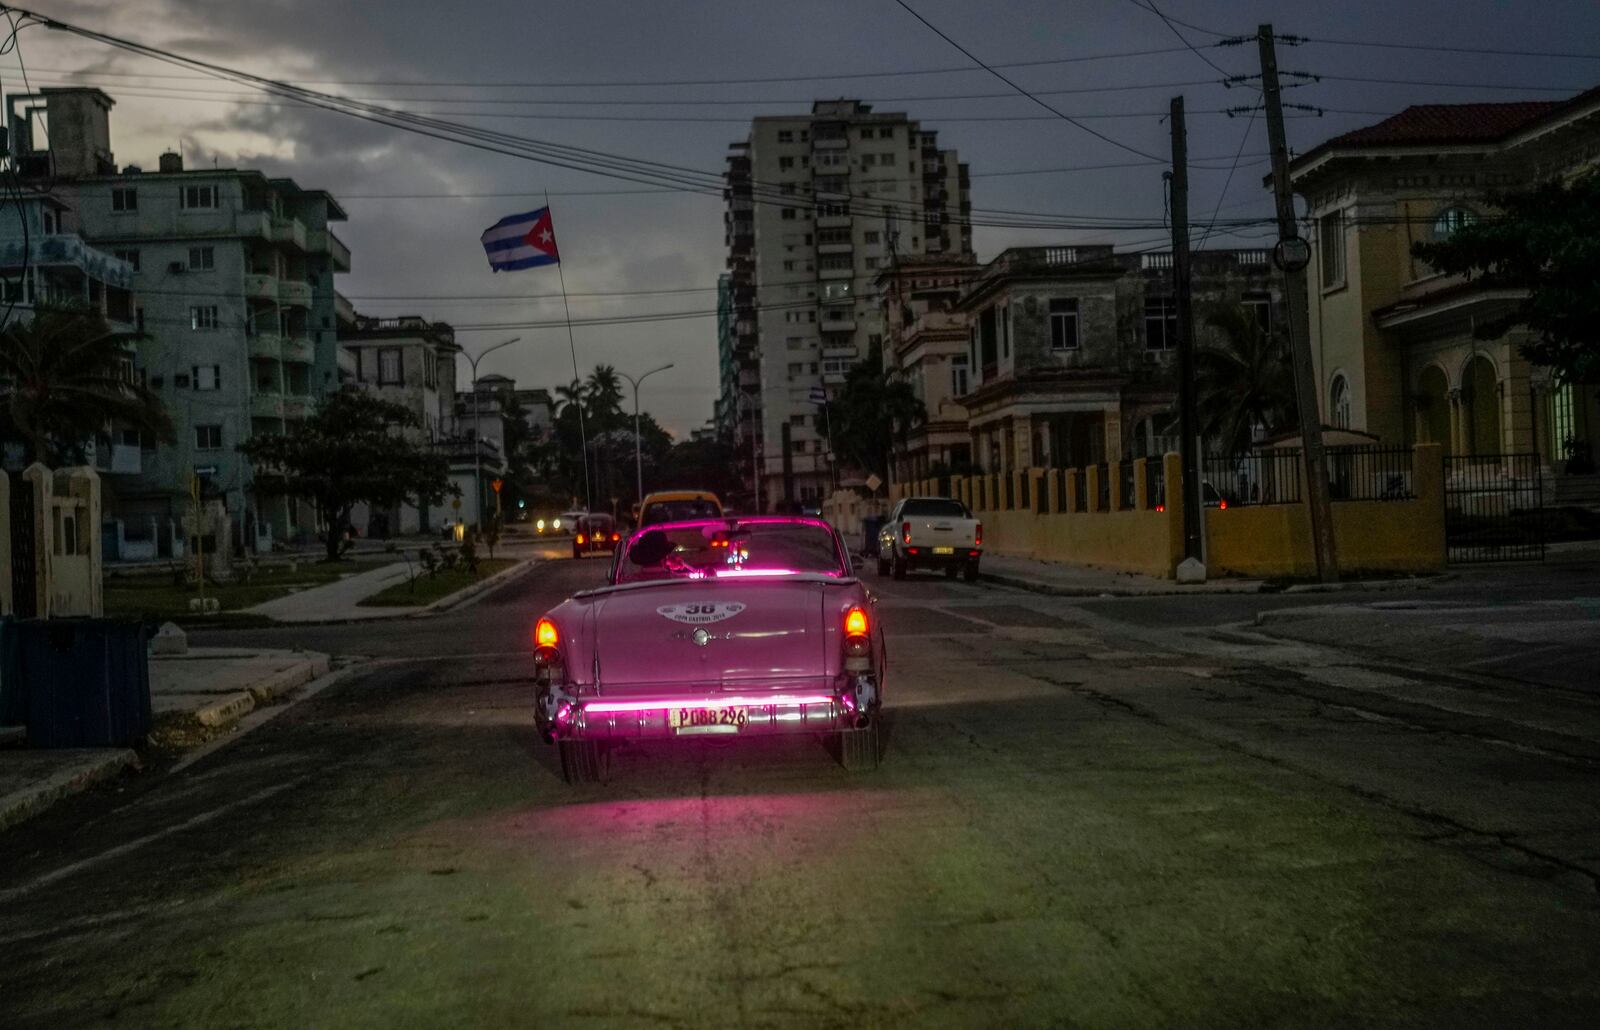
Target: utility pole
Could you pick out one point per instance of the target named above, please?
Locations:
(638, 461)
(1292, 255)
(1193, 569)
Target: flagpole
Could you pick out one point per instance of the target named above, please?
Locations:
(827, 420)
(583, 434)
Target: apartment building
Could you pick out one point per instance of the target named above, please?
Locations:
(410, 361)
(1395, 344)
(233, 272)
(818, 205)
(1071, 349)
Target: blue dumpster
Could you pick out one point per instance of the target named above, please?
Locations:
(869, 530)
(77, 682)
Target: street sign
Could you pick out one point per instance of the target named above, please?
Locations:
(496, 484)
(873, 482)
(456, 504)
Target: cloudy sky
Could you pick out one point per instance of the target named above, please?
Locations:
(418, 205)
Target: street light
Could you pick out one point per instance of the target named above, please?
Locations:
(638, 462)
(477, 429)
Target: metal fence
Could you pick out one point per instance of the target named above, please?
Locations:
(1370, 473)
(1125, 485)
(1102, 501)
(1080, 500)
(1155, 485)
(1260, 477)
(1493, 508)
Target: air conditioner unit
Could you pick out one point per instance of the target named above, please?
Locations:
(177, 267)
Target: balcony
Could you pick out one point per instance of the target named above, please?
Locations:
(299, 348)
(835, 273)
(294, 294)
(118, 459)
(297, 406)
(845, 324)
(260, 286)
(323, 241)
(253, 223)
(343, 310)
(266, 405)
(833, 221)
(266, 345)
(840, 142)
(835, 248)
(289, 230)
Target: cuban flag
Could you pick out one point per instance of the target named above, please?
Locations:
(819, 395)
(521, 241)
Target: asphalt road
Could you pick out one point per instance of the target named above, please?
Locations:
(1090, 814)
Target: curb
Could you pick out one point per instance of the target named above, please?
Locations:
(450, 601)
(230, 708)
(226, 709)
(1051, 589)
(24, 804)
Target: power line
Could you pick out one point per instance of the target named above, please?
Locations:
(621, 83)
(992, 71)
(1149, 5)
(1434, 48)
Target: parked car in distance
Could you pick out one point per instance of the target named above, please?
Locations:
(930, 533)
(678, 506)
(737, 626)
(594, 534)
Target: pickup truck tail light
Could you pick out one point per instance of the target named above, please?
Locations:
(856, 642)
(977, 535)
(905, 532)
(580, 539)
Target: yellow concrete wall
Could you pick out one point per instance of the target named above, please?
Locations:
(1370, 536)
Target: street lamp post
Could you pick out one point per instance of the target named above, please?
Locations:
(477, 431)
(638, 461)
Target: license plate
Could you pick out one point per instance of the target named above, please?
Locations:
(730, 719)
(944, 550)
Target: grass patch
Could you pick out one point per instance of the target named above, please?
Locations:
(158, 597)
(427, 589)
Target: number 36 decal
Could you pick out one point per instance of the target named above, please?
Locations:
(700, 614)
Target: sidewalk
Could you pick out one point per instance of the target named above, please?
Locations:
(338, 601)
(213, 687)
(1062, 580)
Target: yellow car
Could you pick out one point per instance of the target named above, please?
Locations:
(678, 506)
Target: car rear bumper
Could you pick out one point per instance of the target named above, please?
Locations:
(595, 720)
(923, 557)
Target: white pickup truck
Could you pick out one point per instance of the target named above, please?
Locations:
(930, 533)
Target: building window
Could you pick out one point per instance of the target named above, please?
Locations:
(202, 259)
(788, 266)
(959, 376)
(1005, 332)
(1160, 324)
(785, 135)
(1339, 402)
(204, 317)
(1451, 219)
(196, 198)
(798, 445)
(870, 237)
(207, 377)
(796, 369)
(785, 163)
(868, 160)
(124, 199)
(389, 370)
(1064, 323)
(872, 262)
(1330, 237)
(787, 214)
(208, 438)
(886, 159)
(1259, 307)
(131, 256)
(797, 420)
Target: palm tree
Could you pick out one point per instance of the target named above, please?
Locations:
(604, 388)
(66, 376)
(568, 396)
(1243, 381)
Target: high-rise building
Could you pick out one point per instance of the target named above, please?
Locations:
(818, 205)
(233, 279)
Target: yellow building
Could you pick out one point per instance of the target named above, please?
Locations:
(1393, 341)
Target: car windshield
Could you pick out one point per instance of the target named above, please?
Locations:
(679, 511)
(935, 507)
(729, 549)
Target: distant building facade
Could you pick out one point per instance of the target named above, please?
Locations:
(818, 205)
(233, 274)
(926, 344)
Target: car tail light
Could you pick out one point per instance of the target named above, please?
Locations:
(545, 635)
(580, 538)
(615, 537)
(977, 535)
(1222, 505)
(905, 532)
(1161, 507)
(856, 642)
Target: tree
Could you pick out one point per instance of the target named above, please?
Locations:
(603, 391)
(67, 377)
(351, 451)
(872, 413)
(1243, 381)
(1546, 242)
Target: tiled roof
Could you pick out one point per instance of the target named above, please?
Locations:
(1429, 124)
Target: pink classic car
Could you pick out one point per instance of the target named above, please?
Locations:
(731, 625)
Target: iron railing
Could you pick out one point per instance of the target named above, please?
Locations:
(1080, 500)
(1370, 474)
(1102, 501)
(1260, 477)
(1125, 486)
(1155, 485)
(1493, 508)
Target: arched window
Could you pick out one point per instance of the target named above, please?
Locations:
(1451, 219)
(1339, 402)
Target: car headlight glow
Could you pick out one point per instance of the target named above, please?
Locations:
(556, 524)
(541, 525)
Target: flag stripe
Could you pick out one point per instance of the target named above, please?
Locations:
(535, 261)
(527, 218)
(510, 232)
(509, 243)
